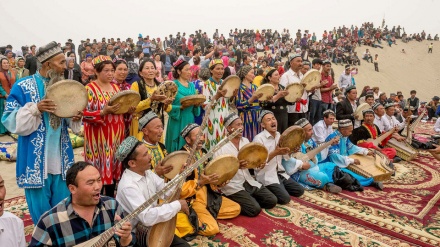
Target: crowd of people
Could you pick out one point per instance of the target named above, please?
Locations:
(72, 202)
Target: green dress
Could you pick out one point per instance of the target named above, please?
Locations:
(179, 119)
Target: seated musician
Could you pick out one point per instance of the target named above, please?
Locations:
(369, 130)
(243, 189)
(390, 110)
(138, 184)
(338, 153)
(309, 173)
(83, 215)
(152, 128)
(323, 128)
(273, 175)
(207, 203)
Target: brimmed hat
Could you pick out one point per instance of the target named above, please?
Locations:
(48, 51)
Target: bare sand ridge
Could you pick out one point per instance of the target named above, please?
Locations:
(398, 72)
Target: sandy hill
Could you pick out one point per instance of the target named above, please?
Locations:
(401, 72)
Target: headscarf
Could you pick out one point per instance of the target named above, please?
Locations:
(70, 70)
(5, 72)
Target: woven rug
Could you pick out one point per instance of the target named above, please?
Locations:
(406, 213)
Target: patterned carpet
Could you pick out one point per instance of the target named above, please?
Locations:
(406, 213)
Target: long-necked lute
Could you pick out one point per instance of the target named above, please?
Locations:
(311, 155)
(105, 236)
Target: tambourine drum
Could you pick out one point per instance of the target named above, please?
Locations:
(265, 89)
(254, 153)
(127, 99)
(360, 108)
(70, 97)
(192, 100)
(177, 159)
(231, 83)
(311, 79)
(167, 88)
(292, 137)
(225, 166)
(295, 92)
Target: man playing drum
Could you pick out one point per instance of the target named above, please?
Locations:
(45, 151)
(138, 183)
(152, 127)
(243, 189)
(198, 190)
(338, 153)
(273, 175)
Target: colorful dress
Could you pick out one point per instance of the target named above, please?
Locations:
(248, 113)
(198, 85)
(215, 129)
(157, 152)
(102, 135)
(180, 118)
(2, 109)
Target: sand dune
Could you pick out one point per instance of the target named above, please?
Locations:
(401, 72)
(414, 70)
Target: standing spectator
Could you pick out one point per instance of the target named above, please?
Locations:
(31, 61)
(430, 48)
(195, 69)
(21, 70)
(71, 72)
(315, 98)
(345, 79)
(9, 54)
(328, 87)
(168, 60)
(87, 69)
(146, 45)
(376, 63)
(7, 76)
(160, 68)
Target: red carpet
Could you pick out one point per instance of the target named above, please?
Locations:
(406, 213)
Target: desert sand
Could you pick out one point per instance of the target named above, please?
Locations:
(398, 72)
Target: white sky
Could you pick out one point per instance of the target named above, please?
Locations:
(26, 22)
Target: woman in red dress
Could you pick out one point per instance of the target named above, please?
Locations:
(103, 130)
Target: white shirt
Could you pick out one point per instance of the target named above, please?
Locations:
(320, 133)
(395, 123)
(134, 190)
(382, 123)
(437, 125)
(11, 231)
(344, 81)
(269, 174)
(242, 175)
(291, 77)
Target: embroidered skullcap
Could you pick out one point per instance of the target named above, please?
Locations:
(302, 122)
(328, 111)
(375, 106)
(147, 118)
(349, 88)
(231, 118)
(294, 56)
(48, 51)
(100, 59)
(126, 148)
(344, 123)
(214, 62)
(388, 105)
(188, 128)
(369, 111)
(262, 114)
(179, 64)
(243, 71)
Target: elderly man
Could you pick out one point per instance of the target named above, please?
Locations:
(381, 121)
(138, 184)
(11, 227)
(199, 191)
(83, 215)
(44, 149)
(338, 153)
(273, 175)
(243, 189)
(152, 128)
(298, 109)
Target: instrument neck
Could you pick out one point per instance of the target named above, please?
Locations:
(382, 137)
(312, 153)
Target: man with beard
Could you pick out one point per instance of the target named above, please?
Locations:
(152, 128)
(84, 214)
(199, 191)
(44, 149)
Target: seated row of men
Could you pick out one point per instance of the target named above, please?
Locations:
(87, 214)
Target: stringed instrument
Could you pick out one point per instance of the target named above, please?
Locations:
(311, 155)
(160, 235)
(103, 238)
(380, 138)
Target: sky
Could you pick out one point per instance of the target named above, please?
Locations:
(26, 22)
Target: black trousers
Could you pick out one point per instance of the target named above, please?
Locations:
(293, 117)
(285, 189)
(252, 199)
